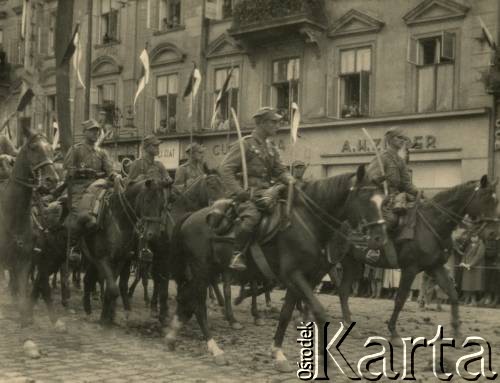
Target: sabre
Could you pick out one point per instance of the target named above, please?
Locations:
(242, 149)
(379, 159)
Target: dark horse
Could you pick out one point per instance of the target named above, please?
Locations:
(109, 248)
(33, 169)
(295, 253)
(429, 249)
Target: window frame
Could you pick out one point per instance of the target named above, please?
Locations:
(164, 15)
(157, 112)
(101, 106)
(273, 96)
(342, 76)
(216, 90)
(414, 58)
(103, 28)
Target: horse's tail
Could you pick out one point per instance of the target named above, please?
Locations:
(178, 258)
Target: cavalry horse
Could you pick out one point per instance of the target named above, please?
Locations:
(110, 246)
(33, 169)
(431, 245)
(294, 254)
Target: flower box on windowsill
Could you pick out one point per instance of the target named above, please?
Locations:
(179, 27)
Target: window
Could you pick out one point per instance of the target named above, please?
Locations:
(106, 95)
(227, 8)
(355, 68)
(51, 34)
(285, 85)
(170, 14)
(166, 103)
(109, 21)
(222, 121)
(434, 59)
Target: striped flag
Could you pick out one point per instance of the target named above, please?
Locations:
(192, 87)
(55, 132)
(77, 57)
(24, 19)
(70, 49)
(294, 129)
(144, 57)
(218, 100)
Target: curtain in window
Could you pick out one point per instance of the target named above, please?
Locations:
(426, 83)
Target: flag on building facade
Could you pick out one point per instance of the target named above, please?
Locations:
(70, 49)
(294, 129)
(77, 57)
(55, 135)
(192, 88)
(24, 18)
(144, 57)
(220, 96)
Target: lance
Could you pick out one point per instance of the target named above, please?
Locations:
(242, 149)
(379, 159)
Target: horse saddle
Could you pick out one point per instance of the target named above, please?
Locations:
(405, 229)
(222, 216)
(92, 201)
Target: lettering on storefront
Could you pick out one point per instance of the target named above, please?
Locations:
(363, 145)
(222, 148)
(169, 154)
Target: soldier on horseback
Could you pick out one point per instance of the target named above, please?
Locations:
(400, 187)
(147, 167)
(87, 166)
(264, 169)
(192, 169)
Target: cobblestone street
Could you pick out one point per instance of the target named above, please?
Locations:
(134, 350)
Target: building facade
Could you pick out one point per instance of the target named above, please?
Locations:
(348, 64)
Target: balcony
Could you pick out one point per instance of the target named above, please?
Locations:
(259, 21)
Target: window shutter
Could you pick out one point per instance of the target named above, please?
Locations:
(364, 93)
(412, 54)
(448, 46)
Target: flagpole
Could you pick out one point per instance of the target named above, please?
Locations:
(88, 53)
(290, 112)
(230, 104)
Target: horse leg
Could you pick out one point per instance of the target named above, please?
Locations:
(345, 289)
(255, 311)
(228, 306)
(218, 294)
(89, 282)
(145, 280)
(280, 361)
(407, 277)
(65, 290)
(161, 287)
(445, 281)
(123, 286)
(54, 280)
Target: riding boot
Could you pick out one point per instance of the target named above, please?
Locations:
(238, 261)
(391, 255)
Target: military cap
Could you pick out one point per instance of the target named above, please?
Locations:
(268, 113)
(151, 140)
(90, 124)
(196, 147)
(395, 132)
(298, 163)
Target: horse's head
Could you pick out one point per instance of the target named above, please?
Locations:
(35, 166)
(149, 207)
(482, 208)
(214, 187)
(364, 204)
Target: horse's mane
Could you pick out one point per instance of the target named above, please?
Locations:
(329, 190)
(454, 194)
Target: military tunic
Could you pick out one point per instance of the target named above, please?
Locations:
(264, 168)
(397, 174)
(186, 174)
(144, 168)
(6, 147)
(81, 157)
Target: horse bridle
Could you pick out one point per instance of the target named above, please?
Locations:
(365, 224)
(34, 182)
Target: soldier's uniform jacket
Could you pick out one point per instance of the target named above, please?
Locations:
(83, 156)
(187, 173)
(6, 147)
(264, 166)
(396, 171)
(143, 168)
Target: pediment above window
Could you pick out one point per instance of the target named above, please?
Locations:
(224, 45)
(166, 53)
(355, 22)
(435, 10)
(104, 66)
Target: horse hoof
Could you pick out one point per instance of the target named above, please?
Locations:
(259, 322)
(221, 360)
(170, 342)
(31, 350)
(283, 366)
(60, 326)
(236, 326)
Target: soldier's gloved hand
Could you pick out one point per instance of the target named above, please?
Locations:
(243, 196)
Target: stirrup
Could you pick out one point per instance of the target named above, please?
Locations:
(237, 262)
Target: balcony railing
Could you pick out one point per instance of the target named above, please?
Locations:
(253, 12)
